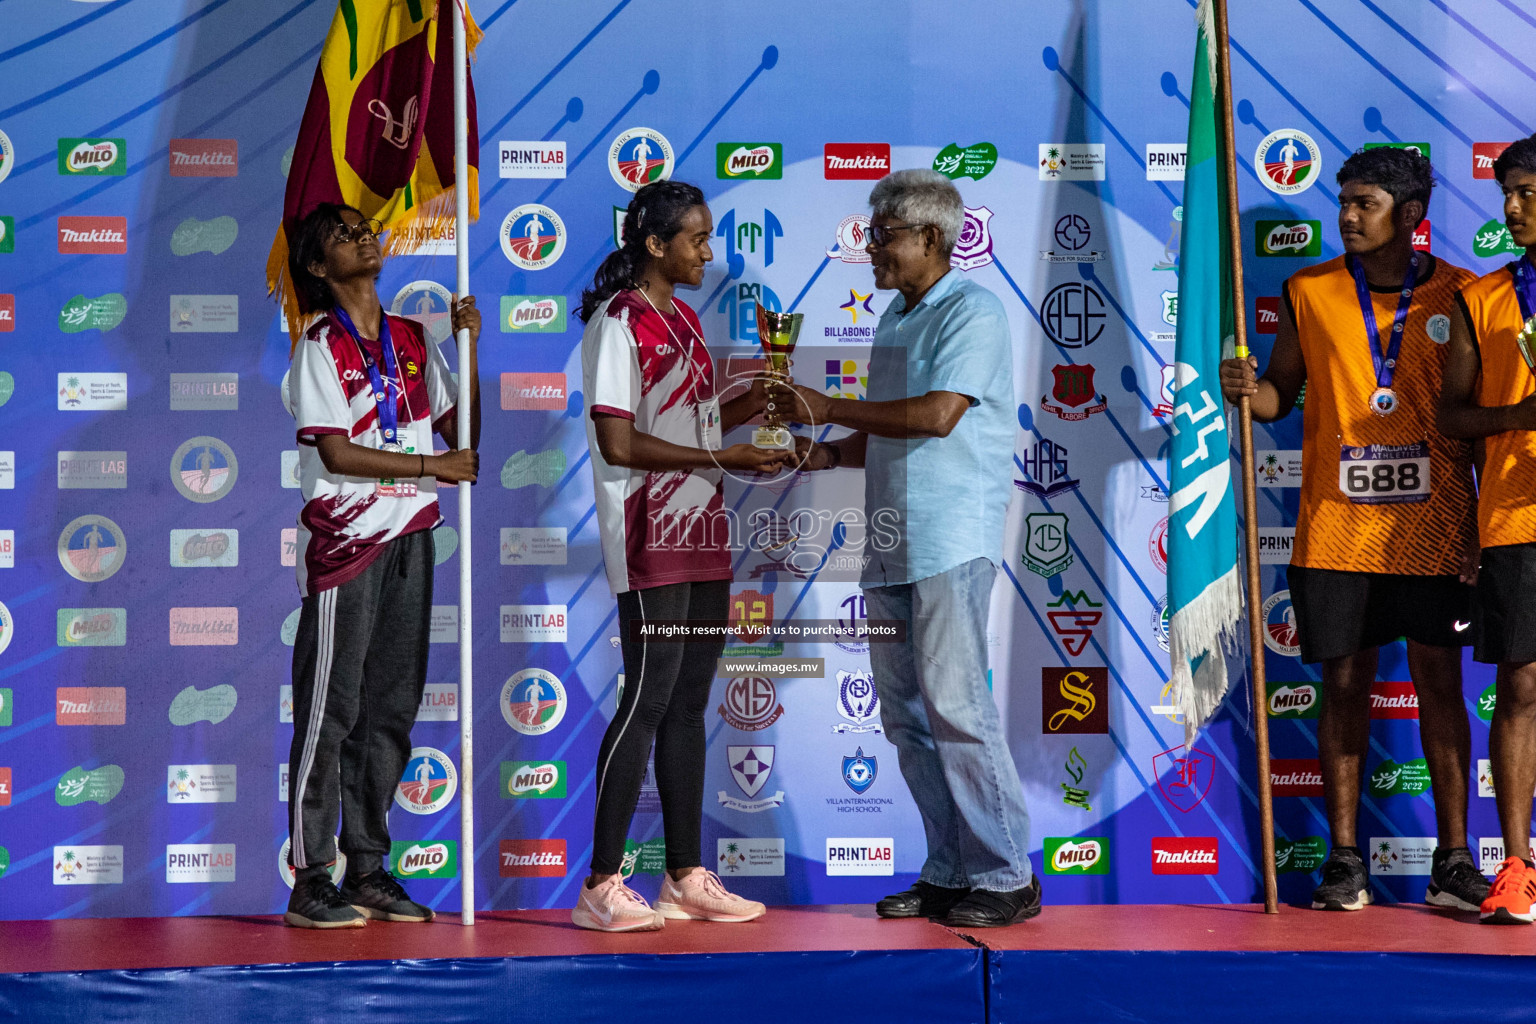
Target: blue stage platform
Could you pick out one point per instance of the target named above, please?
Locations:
(1077, 965)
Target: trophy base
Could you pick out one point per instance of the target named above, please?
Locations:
(773, 439)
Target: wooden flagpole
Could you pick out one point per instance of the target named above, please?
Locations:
(1250, 494)
(466, 648)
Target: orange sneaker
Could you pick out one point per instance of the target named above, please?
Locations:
(1511, 899)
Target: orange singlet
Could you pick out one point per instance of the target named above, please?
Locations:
(1363, 508)
(1505, 510)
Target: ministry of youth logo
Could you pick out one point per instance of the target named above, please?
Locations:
(858, 702)
(750, 766)
(974, 248)
(533, 702)
(859, 771)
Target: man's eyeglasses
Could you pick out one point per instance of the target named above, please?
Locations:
(357, 232)
(882, 234)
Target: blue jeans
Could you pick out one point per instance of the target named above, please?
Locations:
(937, 710)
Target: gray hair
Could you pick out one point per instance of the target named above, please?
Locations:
(920, 196)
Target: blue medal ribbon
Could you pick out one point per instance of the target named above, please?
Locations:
(1385, 363)
(384, 393)
(1525, 283)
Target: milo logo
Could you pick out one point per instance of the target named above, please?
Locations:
(1289, 237)
(93, 156)
(1077, 856)
(424, 859)
(210, 546)
(749, 160)
(1294, 700)
(533, 314)
(536, 779)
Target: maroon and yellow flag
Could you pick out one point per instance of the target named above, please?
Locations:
(378, 130)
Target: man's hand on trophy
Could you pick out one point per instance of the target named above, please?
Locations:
(804, 405)
(810, 456)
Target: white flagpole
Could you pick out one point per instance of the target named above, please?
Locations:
(466, 648)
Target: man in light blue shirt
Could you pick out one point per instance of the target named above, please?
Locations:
(935, 438)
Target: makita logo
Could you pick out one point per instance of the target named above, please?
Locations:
(1295, 777)
(204, 158)
(1267, 314)
(1189, 855)
(91, 705)
(532, 858)
(89, 235)
(854, 160)
(533, 391)
(1394, 700)
(542, 391)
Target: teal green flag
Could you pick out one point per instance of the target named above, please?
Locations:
(1204, 592)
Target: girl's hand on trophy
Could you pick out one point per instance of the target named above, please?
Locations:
(751, 459)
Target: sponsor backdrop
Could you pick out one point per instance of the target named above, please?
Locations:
(147, 600)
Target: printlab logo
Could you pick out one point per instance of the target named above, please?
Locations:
(532, 159)
(1074, 700)
(974, 247)
(532, 236)
(533, 314)
(751, 703)
(638, 157)
(1075, 620)
(533, 623)
(750, 767)
(1045, 470)
(439, 703)
(1288, 162)
(205, 158)
(1184, 776)
(858, 702)
(749, 160)
(1072, 314)
(848, 161)
(1072, 235)
(1047, 545)
(204, 469)
(1166, 161)
(859, 770)
(1083, 856)
(204, 391)
(861, 857)
(1073, 389)
(428, 783)
(533, 702)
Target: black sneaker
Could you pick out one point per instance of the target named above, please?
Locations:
(1345, 886)
(380, 896)
(315, 903)
(1455, 881)
(922, 900)
(986, 909)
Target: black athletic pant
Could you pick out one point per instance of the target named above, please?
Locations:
(359, 667)
(666, 691)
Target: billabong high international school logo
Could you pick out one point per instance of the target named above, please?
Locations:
(532, 236)
(638, 157)
(533, 702)
(428, 783)
(92, 548)
(204, 469)
(1288, 161)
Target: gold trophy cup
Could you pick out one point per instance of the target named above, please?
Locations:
(777, 333)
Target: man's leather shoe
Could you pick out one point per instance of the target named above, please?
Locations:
(922, 900)
(985, 909)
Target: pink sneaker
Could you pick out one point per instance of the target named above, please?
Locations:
(614, 907)
(701, 897)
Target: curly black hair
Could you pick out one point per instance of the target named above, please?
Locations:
(1519, 156)
(1403, 174)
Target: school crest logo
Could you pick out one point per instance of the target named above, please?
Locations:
(858, 702)
(1184, 776)
(204, 469)
(428, 783)
(859, 771)
(1047, 546)
(532, 236)
(638, 157)
(533, 702)
(92, 548)
(1288, 161)
(1074, 394)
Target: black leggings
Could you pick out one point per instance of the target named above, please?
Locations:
(666, 692)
